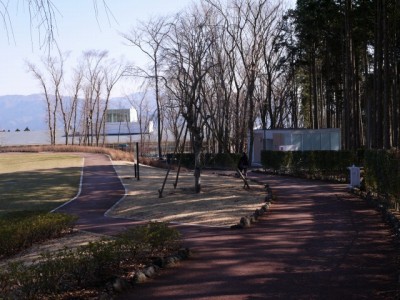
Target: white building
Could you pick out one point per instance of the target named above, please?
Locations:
(121, 122)
(121, 126)
(295, 140)
(125, 122)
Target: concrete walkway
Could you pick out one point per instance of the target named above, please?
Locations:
(317, 242)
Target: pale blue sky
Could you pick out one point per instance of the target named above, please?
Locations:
(78, 30)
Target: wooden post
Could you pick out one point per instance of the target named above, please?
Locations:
(137, 160)
(246, 184)
(160, 191)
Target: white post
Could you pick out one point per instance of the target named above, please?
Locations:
(354, 176)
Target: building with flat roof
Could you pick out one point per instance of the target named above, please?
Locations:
(121, 126)
(121, 122)
(121, 115)
(295, 140)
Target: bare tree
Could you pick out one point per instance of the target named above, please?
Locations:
(52, 86)
(94, 79)
(113, 71)
(173, 118)
(142, 106)
(187, 52)
(219, 88)
(43, 18)
(99, 79)
(273, 57)
(252, 25)
(71, 119)
(51, 107)
(148, 37)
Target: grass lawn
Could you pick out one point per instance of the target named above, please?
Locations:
(37, 181)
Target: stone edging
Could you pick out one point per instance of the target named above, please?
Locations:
(246, 221)
(387, 214)
(119, 285)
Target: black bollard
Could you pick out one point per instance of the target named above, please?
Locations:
(137, 159)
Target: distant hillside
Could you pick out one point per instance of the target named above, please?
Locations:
(20, 112)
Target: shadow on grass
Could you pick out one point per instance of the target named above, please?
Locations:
(38, 190)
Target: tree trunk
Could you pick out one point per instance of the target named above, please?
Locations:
(378, 63)
(159, 129)
(386, 80)
(197, 148)
(314, 93)
(348, 79)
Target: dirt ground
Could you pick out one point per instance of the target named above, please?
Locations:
(222, 201)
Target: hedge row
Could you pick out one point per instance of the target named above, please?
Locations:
(381, 167)
(212, 160)
(20, 230)
(298, 162)
(382, 172)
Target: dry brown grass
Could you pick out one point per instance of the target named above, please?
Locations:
(222, 202)
(34, 253)
(115, 154)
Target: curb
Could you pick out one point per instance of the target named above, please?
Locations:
(120, 284)
(247, 221)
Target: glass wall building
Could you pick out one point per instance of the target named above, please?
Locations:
(295, 140)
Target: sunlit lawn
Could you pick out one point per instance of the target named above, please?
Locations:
(37, 181)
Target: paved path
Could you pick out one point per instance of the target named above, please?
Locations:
(101, 189)
(317, 242)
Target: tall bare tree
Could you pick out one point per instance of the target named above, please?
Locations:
(251, 27)
(93, 106)
(113, 70)
(148, 37)
(51, 108)
(72, 107)
(99, 79)
(188, 47)
(141, 104)
(51, 85)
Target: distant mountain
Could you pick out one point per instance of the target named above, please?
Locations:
(20, 112)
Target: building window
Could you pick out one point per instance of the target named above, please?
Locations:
(118, 115)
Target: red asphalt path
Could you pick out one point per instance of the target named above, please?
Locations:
(316, 242)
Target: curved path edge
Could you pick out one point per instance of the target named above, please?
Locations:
(317, 242)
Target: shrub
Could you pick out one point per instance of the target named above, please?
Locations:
(274, 160)
(211, 160)
(186, 159)
(90, 265)
(222, 160)
(310, 162)
(19, 230)
(155, 237)
(382, 172)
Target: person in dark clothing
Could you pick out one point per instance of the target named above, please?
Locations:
(243, 164)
